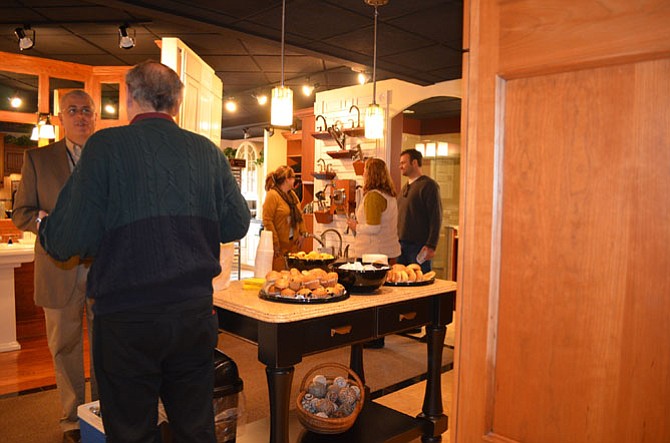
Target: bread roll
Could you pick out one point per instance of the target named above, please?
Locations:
(281, 283)
(411, 275)
(419, 275)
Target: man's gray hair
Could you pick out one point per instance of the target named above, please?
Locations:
(75, 93)
(155, 84)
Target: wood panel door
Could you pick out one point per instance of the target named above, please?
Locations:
(564, 286)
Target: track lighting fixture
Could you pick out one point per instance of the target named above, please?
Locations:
(125, 40)
(262, 99)
(246, 133)
(26, 41)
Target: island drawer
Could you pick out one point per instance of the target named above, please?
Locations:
(338, 330)
(402, 316)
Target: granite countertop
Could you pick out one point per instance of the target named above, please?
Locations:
(248, 303)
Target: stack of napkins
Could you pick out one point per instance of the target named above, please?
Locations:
(253, 283)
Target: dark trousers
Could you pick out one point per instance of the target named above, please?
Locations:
(162, 351)
(408, 253)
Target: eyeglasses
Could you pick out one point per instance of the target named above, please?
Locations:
(85, 111)
(405, 190)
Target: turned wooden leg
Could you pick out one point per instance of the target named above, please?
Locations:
(279, 387)
(432, 410)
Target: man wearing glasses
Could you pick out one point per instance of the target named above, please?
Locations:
(419, 213)
(60, 287)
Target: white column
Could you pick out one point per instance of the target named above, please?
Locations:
(11, 256)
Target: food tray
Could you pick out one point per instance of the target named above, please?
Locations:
(411, 283)
(302, 301)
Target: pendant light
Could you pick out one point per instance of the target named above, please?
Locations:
(43, 129)
(374, 114)
(281, 107)
(47, 129)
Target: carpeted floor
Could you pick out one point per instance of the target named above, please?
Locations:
(33, 418)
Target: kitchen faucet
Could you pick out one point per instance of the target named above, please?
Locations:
(339, 236)
(325, 123)
(320, 241)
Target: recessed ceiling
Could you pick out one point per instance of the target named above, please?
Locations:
(419, 41)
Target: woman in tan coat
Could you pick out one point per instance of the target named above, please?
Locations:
(282, 215)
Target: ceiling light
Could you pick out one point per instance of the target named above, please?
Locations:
(110, 109)
(246, 133)
(15, 101)
(262, 99)
(125, 40)
(362, 78)
(281, 107)
(35, 134)
(308, 88)
(231, 105)
(25, 41)
(374, 114)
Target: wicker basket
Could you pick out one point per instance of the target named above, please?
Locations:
(322, 425)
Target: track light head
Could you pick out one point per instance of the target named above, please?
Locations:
(125, 40)
(26, 41)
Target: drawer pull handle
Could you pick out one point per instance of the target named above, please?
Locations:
(407, 316)
(342, 330)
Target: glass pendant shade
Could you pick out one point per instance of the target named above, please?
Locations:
(281, 112)
(36, 134)
(47, 130)
(374, 122)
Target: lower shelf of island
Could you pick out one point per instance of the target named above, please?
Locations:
(375, 424)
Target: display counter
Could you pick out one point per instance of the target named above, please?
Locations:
(286, 332)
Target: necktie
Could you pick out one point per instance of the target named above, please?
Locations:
(76, 153)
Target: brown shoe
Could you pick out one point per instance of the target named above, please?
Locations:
(72, 436)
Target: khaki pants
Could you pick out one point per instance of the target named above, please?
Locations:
(65, 338)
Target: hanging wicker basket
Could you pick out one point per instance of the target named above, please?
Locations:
(323, 425)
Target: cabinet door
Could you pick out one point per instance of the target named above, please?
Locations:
(203, 90)
(563, 300)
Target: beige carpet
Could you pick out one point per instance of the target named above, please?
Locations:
(33, 418)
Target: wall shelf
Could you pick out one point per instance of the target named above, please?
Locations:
(324, 175)
(322, 135)
(342, 153)
(292, 135)
(354, 132)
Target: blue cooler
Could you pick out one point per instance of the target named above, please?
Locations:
(92, 430)
(90, 423)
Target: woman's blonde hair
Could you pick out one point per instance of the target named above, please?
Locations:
(377, 176)
(278, 177)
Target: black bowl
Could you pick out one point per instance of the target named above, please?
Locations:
(304, 264)
(361, 280)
